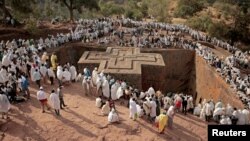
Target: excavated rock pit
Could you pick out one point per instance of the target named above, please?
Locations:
(183, 71)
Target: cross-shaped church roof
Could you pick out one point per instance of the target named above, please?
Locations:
(121, 60)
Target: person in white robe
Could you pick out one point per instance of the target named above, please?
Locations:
(127, 92)
(140, 111)
(167, 101)
(123, 85)
(99, 85)
(212, 104)
(229, 122)
(98, 102)
(79, 77)
(246, 114)
(37, 77)
(32, 71)
(170, 113)
(66, 75)
(223, 120)
(85, 85)
(190, 104)
(113, 116)
(105, 88)
(229, 110)
(235, 116)
(219, 104)
(208, 111)
(6, 60)
(1, 79)
(153, 109)
(105, 109)
(241, 120)
(43, 71)
(203, 113)
(59, 74)
(248, 91)
(55, 102)
(51, 75)
(142, 95)
(94, 76)
(147, 106)
(12, 67)
(89, 81)
(120, 92)
(4, 105)
(44, 58)
(41, 41)
(218, 112)
(4, 74)
(203, 102)
(197, 110)
(178, 102)
(73, 73)
(151, 91)
(114, 89)
(132, 109)
(101, 74)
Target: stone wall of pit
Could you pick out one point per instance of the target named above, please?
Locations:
(184, 72)
(209, 85)
(177, 74)
(72, 54)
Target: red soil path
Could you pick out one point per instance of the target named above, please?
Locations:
(81, 121)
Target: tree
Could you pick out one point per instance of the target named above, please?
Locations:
(132, 10)
(144, 8)
(5, 11)
(241, 18)
(187, 8)
(77, 5)
(218, 29)
(22, 6)
(200, 23)
(110, 8)
(159, 10)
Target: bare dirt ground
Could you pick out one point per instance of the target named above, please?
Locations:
(81, 121)
(43, 29)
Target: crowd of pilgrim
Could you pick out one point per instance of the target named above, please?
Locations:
(25, 60)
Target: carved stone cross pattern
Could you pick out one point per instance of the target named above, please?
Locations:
(121, 60)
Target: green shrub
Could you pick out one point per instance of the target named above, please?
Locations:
(225, 8)
(133, 10)
(144, 9)
(134, 14)
(110, 8)
(200, 23)
(218, 30)
(159, 9)
(205, 24)
(129, 14)
(187, 8)
(31, 26)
